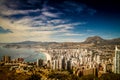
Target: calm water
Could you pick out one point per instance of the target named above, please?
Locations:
(30, 55)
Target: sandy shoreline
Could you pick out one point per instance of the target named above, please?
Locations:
(47, 56)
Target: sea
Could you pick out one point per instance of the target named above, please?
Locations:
(29, 54)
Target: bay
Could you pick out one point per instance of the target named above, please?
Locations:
(29, 54)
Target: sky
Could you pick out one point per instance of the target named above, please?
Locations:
(58, 20)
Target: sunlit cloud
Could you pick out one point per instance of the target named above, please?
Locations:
(49, 14)
(2, 30)
(41, 27)
(23, 29)
(9, 12)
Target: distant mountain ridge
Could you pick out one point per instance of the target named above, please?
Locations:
(28, 42)
(35, 42)
(99, 40)
(94, 40)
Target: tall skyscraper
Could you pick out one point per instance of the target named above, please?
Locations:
(69, 66)
(64, 63)
(49, 64)
(117, 61)
(40, 62)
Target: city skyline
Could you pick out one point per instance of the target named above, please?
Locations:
(61, 21)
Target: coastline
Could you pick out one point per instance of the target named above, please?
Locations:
(48, 57)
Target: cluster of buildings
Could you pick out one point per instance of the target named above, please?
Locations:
(84, 61)
(79, 61)
(7, 59)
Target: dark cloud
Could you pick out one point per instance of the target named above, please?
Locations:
(48, 10)
(26, 4)
(72, 10)
(75, 6)
(2, 30)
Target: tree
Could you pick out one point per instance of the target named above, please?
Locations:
(74, 77)
(88, 77)
(110, 76)
(34, 77)
(60, 76)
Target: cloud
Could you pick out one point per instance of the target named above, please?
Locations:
(49, 14)
(24, 29)
(71, 7)
(38, 24)
(3, 31)
(24, 7)
(21, 32)
(57, 21)
(73, 34)
(9, 12)
(48, 23)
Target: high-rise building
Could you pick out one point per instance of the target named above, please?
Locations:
(56, 64)
(69, 66)
(64, 63)
(40, 62)
(59, 64)
(117, 61)
(53, 64)
(49, 64)
(6, 59)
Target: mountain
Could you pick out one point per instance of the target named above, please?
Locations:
(114, 41)
(90, 41)
(94, 39)
(34, 42)
(101, 41)
(28, 42)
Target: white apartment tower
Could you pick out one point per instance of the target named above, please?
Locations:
(117, 61)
